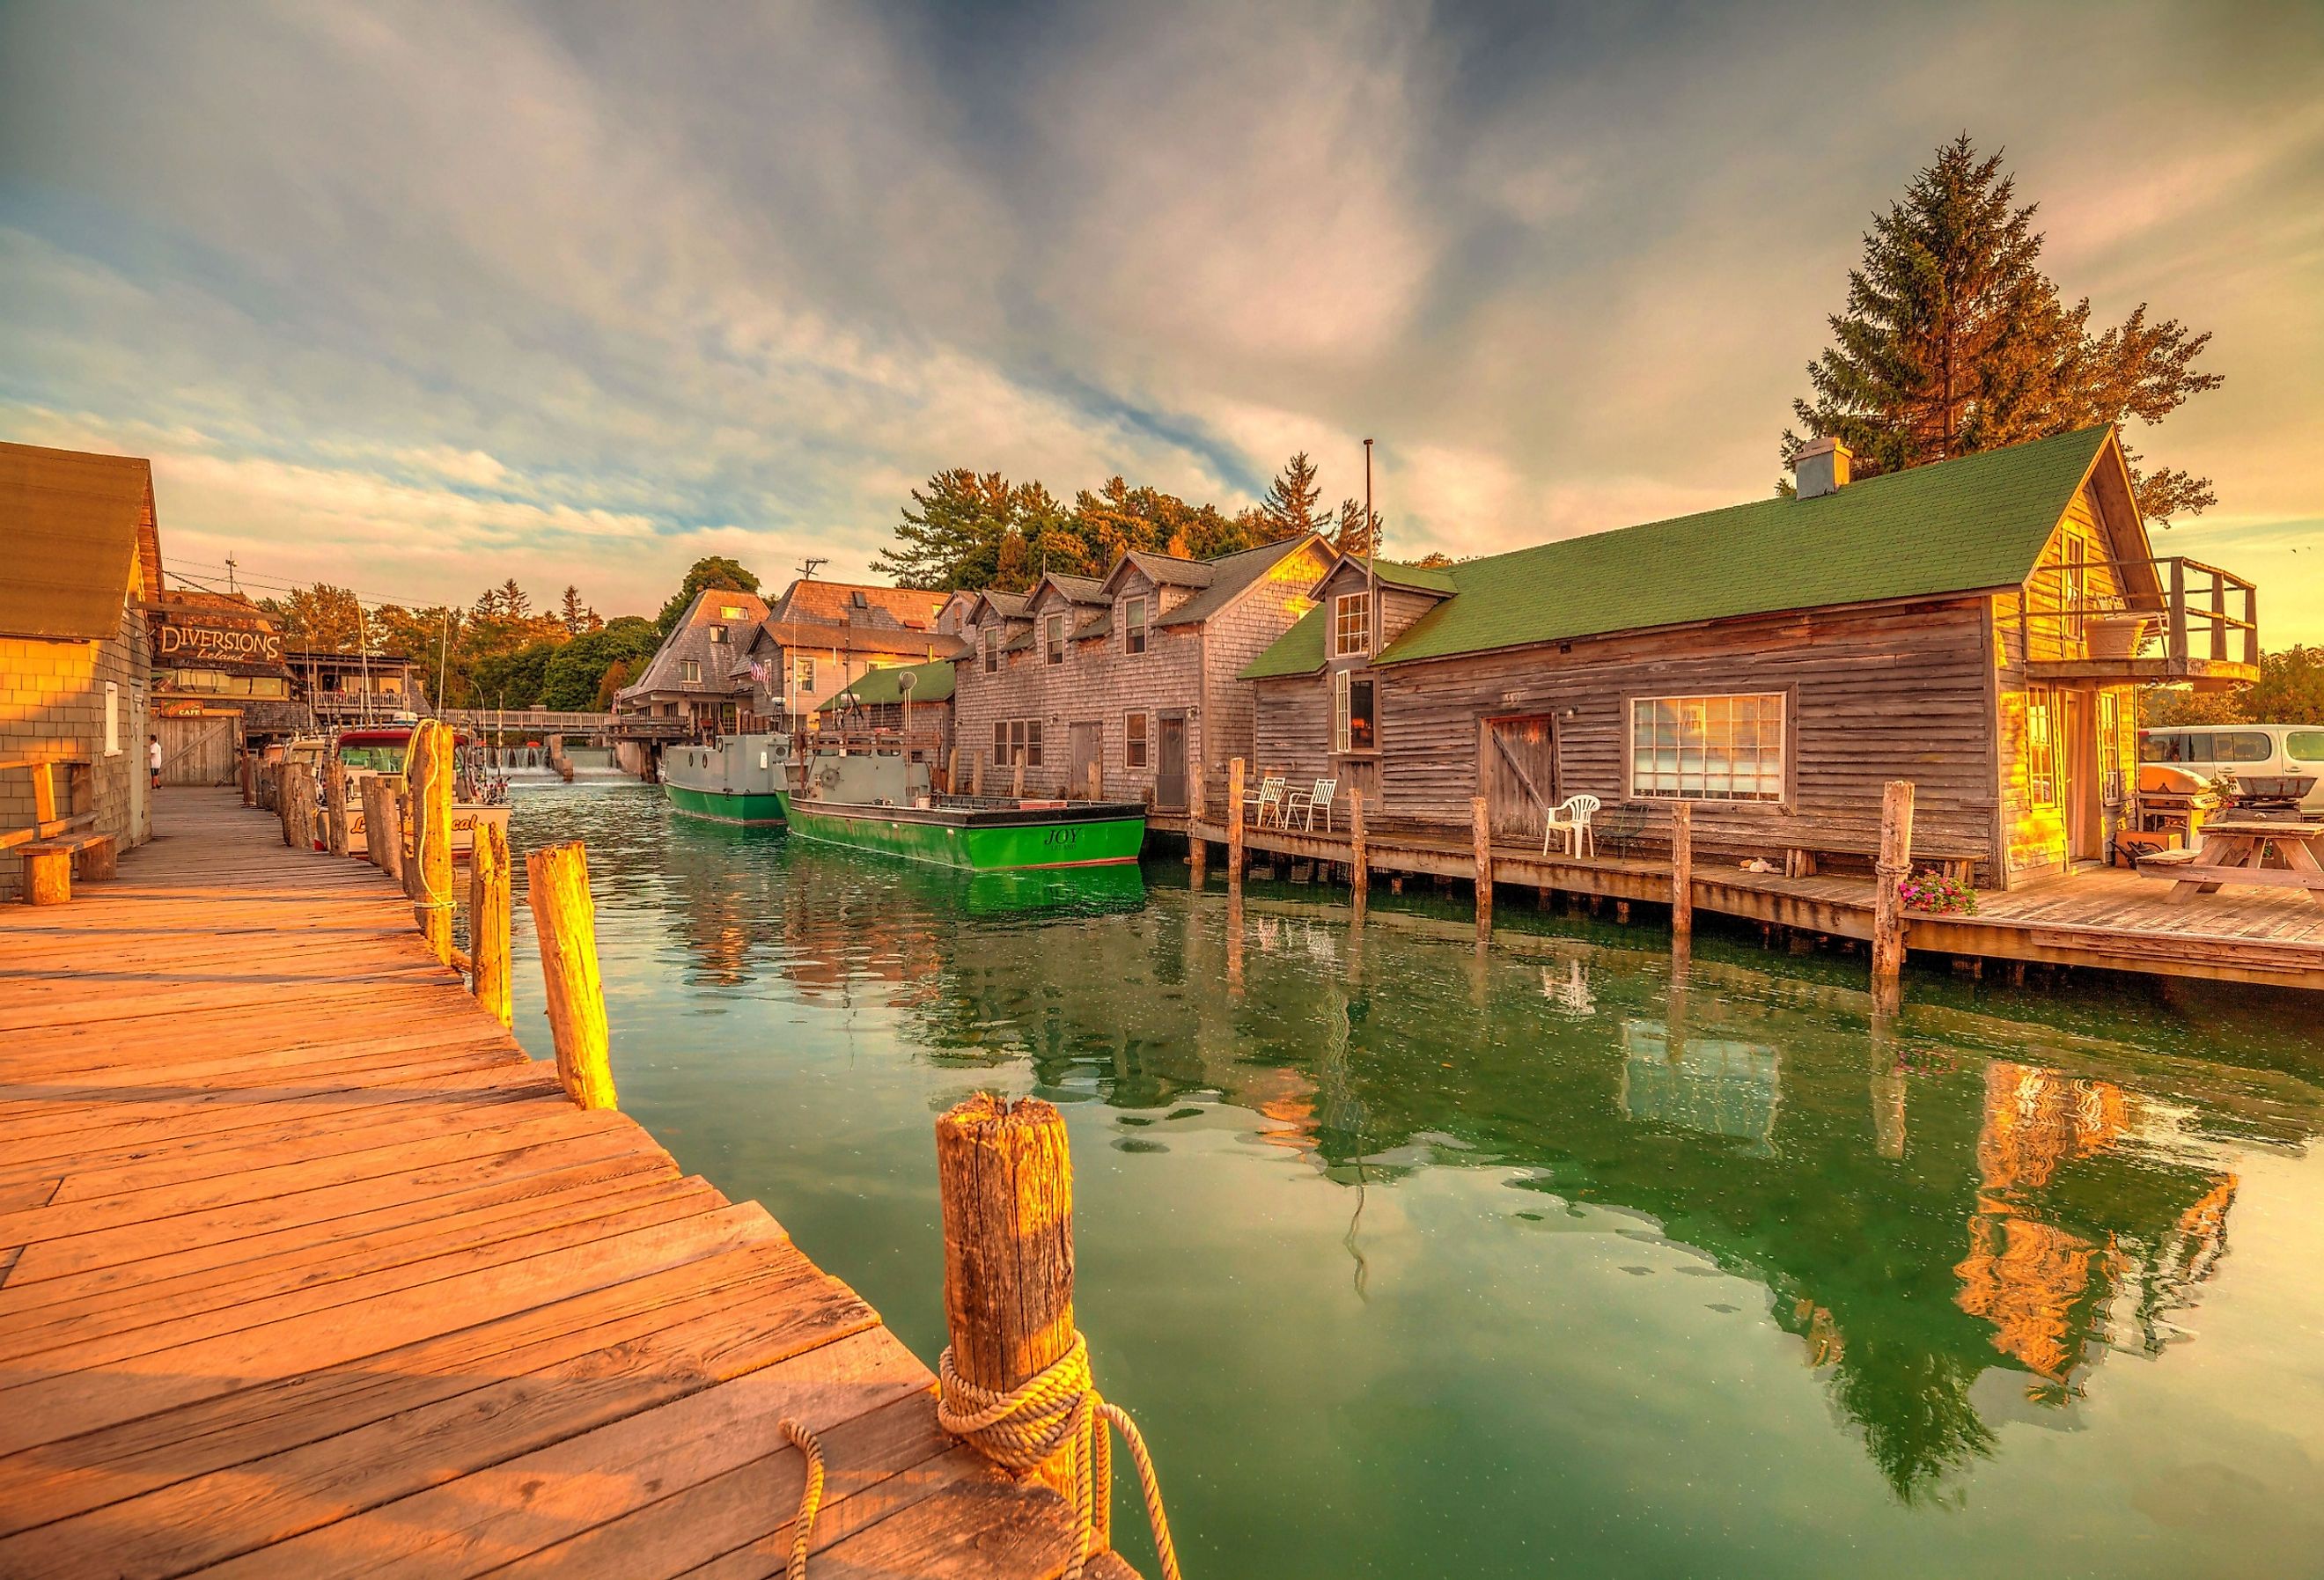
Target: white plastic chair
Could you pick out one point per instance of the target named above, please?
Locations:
(1303, 804)
(1269, 798)
(1572, 819)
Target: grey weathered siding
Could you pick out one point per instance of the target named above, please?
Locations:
(52, 707)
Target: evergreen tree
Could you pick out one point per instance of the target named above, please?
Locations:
(576, 615)
(1290, 506)
(515, 602)
(1359, 531)
(1954, 341)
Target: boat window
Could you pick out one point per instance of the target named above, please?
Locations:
(1133, 730)
(2241, 746)
(1053, 628)
(375, 759)
(2305, 745)
(1351, 624)
(1133, 625)
(1709, 748)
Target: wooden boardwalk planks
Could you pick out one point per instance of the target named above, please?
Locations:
(306, 1268)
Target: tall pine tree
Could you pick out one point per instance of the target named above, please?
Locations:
(1290, 506)
(1359, 530)
(1954, 341)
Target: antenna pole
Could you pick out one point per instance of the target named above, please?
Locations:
(1371, 561)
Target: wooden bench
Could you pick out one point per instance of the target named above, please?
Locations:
(50, 844)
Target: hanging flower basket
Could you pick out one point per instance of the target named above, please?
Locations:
(1935, 894)
(2116, 636)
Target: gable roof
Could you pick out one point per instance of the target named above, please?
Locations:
(933, 683)
(1973, 525)
(1163, 570)
(1078, 589)
(79, 527)
(1231, 574)
(690, 639)
(844, 603)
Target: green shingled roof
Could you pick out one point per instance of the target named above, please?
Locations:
(934, 685)
(1962, 526)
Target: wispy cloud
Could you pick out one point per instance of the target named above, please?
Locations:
(571, 293)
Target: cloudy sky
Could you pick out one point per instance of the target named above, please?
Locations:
(415, 297)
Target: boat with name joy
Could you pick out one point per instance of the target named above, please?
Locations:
(885, 803)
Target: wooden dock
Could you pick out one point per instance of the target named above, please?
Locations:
(2106, 918)
(307, 1269)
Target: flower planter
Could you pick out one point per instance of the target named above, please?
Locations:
(2116, 636)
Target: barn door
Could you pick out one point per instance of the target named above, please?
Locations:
(1082, 752)
(197, 750)
(1170, 761)
(1518, 773)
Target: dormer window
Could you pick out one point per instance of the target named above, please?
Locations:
(690, 671)
(1351, 624)
(990, 638)
(718, 633)
(730, 611)
(1053, 638)
(1133, 625)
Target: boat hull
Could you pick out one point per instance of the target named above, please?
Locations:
(978, 841)
(750, 810)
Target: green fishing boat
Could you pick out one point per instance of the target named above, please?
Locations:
(885, 804)
(737, 779)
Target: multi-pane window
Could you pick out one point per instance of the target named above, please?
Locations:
(1353, 713)
(2110, 773)
(803, 675)
(1017, 740)
(1133, 625)
(718, 633)
(689, 669)
(1351, 624)
(2042, 746)
(1133, 736)
(990, 638)
(1053, 638)
(1708, 748)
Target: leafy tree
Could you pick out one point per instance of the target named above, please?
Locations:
(2290, 689)
(322, 616)
(615, 677)
(1434, 561)
(1290, 506)
(968, 529)
(2164, 706)
(574, 674)
(1954, 341)
(713, 571)
(1358, 531)
(513, 678)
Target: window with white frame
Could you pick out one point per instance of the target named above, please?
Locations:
(1354, 715)
(1351, 624)
(2041, 745)
(1133, 625)
(1708, 748)
(1133, 738)
(1053, 638)
(990, 638)
(689, 669)
(803, 675)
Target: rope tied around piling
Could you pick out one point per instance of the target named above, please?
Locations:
(810, 1495)
(1058, 1410)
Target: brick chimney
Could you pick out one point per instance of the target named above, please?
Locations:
(1820, 468)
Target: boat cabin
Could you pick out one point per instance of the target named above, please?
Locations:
(1978, 627)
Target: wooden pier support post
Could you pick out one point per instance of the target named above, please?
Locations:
(951, 773)
(1359, 868)
(335, 805)
(565, 919)
(1096, 781)
(1234, 823)
(488, 920)
(976, 774)
(1006, 1185)
(1480, 821)
(1681, 869)
(282, 800)
(1896, 865)
(431, 777)
(386, 836)
(1016, 782)
(47, 876)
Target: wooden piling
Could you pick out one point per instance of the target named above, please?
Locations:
(1197, 793)
(952, 771)
(1198, 859)
(565, 919)
(1359, 870)
(976, 774)
(282, 800)
(47, 876)
(1096, 781)
(488, 920)
(335, 805)
(1681, 869)
(1016, 782)
(1480, 824)
(431, 815)
(1006, 1185)
(386, 836)
(1896, 865)
(1234, 823)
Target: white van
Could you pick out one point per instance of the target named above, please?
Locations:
(2254, 754)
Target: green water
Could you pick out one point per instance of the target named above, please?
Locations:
(1415, 1261)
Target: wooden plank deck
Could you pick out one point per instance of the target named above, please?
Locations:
(306, 1269)
(2107, 918)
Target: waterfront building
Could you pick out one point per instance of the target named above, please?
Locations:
(905, 705)
(75, 649)
(698, 679)
(1977, 626)
(221, 684)
(1133, 671)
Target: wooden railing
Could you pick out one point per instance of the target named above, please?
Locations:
(2203, 613)
(501, 720)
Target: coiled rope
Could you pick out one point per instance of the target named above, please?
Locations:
(1056, 1411)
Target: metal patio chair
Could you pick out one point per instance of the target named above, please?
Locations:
(1302, 805)
(1269, 798)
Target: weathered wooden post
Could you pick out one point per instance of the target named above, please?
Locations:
(1480, 821)
(1197, 793)
(299, 792)
(335, 805)
(1017, 780)
(1894, 866)
(1234, 823)
(47, 875)
(1681, 869)
(488, 920)
(1359, 870)
(248, 775)
(952, 771)
(976, 774)
(283, 801)
(565, 919)
(1096, 781)
(1006, 1184)
(386, 836)
(431, 817)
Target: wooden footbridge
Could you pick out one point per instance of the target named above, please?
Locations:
(307, 1269)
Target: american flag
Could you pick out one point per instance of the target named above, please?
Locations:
(759, 670)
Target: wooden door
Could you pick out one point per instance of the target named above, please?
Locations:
(1170, 761)
(198, 749)
(1084, 742)
(2079, 794)
(1517, 773)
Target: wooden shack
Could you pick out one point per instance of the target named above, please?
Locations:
(1132, 673)
(1977, 626)
(904, 707)
(76, 651)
